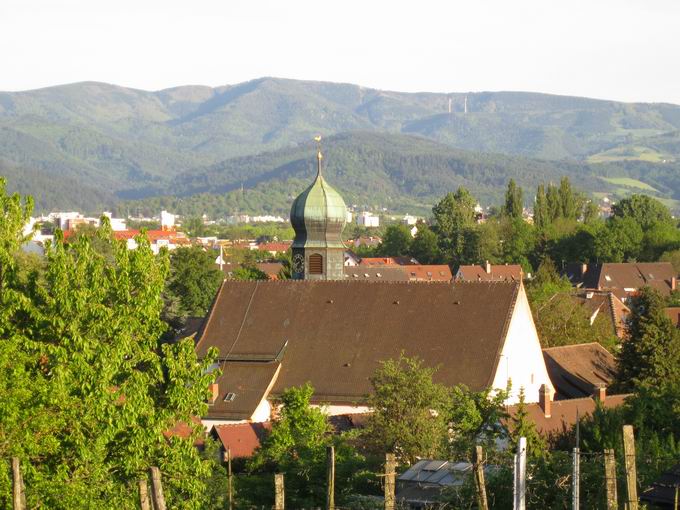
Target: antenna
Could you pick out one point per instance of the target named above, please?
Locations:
(465, 104)
(449, 105)
(319, 156)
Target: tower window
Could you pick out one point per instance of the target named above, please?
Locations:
(315, 264)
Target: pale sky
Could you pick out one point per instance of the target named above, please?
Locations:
(615, 49)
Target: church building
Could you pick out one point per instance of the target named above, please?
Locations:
(323, 328)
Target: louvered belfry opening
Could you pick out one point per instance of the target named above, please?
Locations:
(315, 264)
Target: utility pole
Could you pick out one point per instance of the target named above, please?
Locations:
(520, 485)
(390, 480)
(631, 471)
(330, 478)
(576, 467)
(610, 479)
(479, 478)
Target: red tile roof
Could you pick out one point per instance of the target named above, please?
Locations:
(242, 439)
(673, 313)
(576, 370)
(274, 247)
(387, 261)
(430, 273)
(499, 272)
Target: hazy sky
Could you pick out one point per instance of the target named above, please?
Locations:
(617, 49)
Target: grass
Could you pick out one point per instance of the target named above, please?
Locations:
(636, 153)
(629, 183)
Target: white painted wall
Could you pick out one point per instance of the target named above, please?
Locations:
(522, 359)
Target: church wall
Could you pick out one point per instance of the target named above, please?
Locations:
(522, 358)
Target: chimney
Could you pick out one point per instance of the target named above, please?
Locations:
(584, 268)
(544, 400)
(674, 283)
(487, 267)
(214, 393)
(601, 392)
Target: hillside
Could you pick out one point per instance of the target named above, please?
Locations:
(131, 143)
(400, 172)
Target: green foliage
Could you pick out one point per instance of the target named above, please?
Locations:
(541, 213)
(453, 215)
(409, 410)
(396, 241)
(619, 241)
(297, 445)
(87, 388)
(521, 425)
(424, 247)
(193, 280)
(249, 273)
(514, 202)
(643, 210)
(651, 355)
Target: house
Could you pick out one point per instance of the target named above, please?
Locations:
(623, 279)
(605, 304)
(664, 492)
(367, 219)
(559, 416)
(422, 484)
(428, 273)
(157, 238)
(367, 241)
(241, 439)
(324, 328)
(673, 313)
(490, 272)
(274, 248)
(388, 261)
(376, 273)
(578, 371)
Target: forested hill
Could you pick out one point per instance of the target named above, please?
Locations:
(125, 142)
(400, 172)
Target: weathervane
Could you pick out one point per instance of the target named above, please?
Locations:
(319, 156)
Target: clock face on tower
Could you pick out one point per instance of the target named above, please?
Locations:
(298, 263)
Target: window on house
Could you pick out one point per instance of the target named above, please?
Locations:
(315, 264)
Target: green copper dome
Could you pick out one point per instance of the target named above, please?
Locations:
(318, 216)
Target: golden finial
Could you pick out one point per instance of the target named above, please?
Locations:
(319, 156)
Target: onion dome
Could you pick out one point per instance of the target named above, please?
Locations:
(318, 215)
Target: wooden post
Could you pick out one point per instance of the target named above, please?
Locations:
(330, 478)
(520, 485)
(482, 503)
(18, 499)
(675, 504)
(279, 495)
(631, 472)
(610, 479)
(144, 494)
(390, 481)
(230, 484)
(576, 479)
(157, 489)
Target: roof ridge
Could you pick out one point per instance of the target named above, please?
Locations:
(568, 346)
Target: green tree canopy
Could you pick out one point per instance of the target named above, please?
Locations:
(194, 279)
(514, 200)
(453, 215)
(396, 241)
(424, 247)
(643, 210)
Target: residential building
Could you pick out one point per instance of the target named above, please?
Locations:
(623, 279)
(673, 313)
(490, 272)
(578, 371)
(168, 220)
(605, 304)
(387, 261)
(367, 219)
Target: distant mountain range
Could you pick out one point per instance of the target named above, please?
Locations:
(90, 145)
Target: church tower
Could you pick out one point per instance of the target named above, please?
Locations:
(318, 216)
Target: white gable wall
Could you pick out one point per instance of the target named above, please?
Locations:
(522, 360)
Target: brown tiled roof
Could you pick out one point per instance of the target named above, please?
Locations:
(563, 412)
(499, 272)
(576, 370)
(185, 430)
(333, 334)
(375, 273)
(387, 261)
(430, 273)
(599, 302)
(621, 276)
(249, 382)
(274, 247)
(673, 313)
(271, 269)
(242, 439)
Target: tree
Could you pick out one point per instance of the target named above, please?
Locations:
(396, 241)
(249, 273)
(514, 202)
(554, 203)
(521, 425)
(452, 215)
(571, 203)
(650, 357)
(194, 279)
(619, 241)
(424, 247)
(541, 214)
(82, 353)
(643, 210)
(409, 410)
